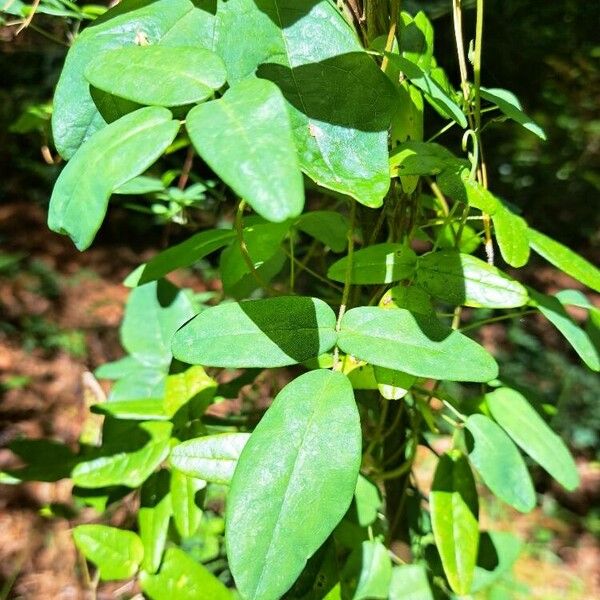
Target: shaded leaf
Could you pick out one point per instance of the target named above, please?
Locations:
(327, 226)
(258, 333)
(463, 279)
(416, 344)
(368, 572)
(381, 263)
(186, 512)
(454, 518)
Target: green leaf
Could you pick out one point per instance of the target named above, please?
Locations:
(374, 571)
(138, 186)
(509, 104)
(512, 236)
(499, 463)
(212, 457)
(287, 494)
(158, 75)
(116, 553)
(381, 263)
(263, 242)
(554, 311)
(393, 385)
(146, 409)
(128, 461)
(409, 582)
(525, 426)
(168, 22)
(246, 139)
(186, 512)
(181, 255)
(343, 149)
(498, 551)
(416, 344)
(411, 298)
(327, 226)
(153, 314)
(367, 500)
(421, 158)
(416, 39)
(191, 385)
(182, 578)
(258, 333)
(154, 515)
(565, 259)
(430, 87)
(463, 279)
(454, 514)
(107, 160)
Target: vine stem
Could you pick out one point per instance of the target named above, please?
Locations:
(347, 278)
(512, 315)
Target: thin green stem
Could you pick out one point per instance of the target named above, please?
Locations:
(512, 315)
(347, 281)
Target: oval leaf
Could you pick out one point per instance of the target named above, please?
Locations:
(518, 418)
(212, 458)
(499, 463)
(512, 237)
(294, 482)
(454, 517)
(463, 279)
(258, 333)
(416, 344)
(158, 75)
(108, 159)
(116, 553)
(565, 259)
(381, 263)
(246, 138)
(554, 311)
(327, 226)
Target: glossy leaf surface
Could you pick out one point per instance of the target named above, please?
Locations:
(212, 457)
(117, 553)
(525, 426)
(258, 333)
(158, 75)
(416, 344)
(345, 151)
(463, 279)
(183, 578)
(454, 518)
(294, 481)
(107, 160)
(246, 138)
(381, 263)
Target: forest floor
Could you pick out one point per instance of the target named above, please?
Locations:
(59, 317)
